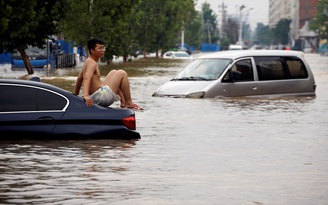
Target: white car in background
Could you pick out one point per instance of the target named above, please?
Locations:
(177, 55)
(235, 47)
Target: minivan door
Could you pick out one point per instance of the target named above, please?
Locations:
(280, 75)
(239, 80)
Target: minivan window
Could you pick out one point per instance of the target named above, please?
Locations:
(296, 68)
(279, 68)
(244, 69)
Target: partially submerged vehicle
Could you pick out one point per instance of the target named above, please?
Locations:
(235, 47)
(243, 73)
(35, 110)
(177, 55)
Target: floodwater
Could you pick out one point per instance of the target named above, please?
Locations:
(191, 151)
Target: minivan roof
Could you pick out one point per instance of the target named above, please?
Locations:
(245, 53)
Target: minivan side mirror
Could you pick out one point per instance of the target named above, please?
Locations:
(235, 75)
(232, 76)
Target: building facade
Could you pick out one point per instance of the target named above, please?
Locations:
(300, 12)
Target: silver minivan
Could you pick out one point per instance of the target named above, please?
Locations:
(242, 73)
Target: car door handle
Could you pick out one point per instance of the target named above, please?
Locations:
(255, 88)
(46, 118)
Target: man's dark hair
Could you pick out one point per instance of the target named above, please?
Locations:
(93, 42)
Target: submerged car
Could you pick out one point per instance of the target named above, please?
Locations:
(38, 58)
(235, 47)
(32, 109)
(242, 73)
(177, 55)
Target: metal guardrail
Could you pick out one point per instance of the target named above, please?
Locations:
(66, 61)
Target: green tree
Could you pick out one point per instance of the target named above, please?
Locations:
(29, 22)
(231, 31)
(263, 34)
(177, 13)
(281, 31)
(127, 41)
(225, 42)
(161, 22)
(109, 20)
(320, 22)
(209, 24)
(193, 29)
(149, 15)
(246, 32)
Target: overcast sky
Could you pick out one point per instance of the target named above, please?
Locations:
(258, 9)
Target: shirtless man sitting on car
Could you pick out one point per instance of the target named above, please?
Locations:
(116, 85)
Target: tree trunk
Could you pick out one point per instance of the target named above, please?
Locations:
(27, 62)
(125, 58)
(144, 53)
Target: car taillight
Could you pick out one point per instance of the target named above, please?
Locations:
(130, 122)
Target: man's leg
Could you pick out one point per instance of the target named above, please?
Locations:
(122, 98)
(118, 81)
(108, 79)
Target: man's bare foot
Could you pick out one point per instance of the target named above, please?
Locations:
(134, 106)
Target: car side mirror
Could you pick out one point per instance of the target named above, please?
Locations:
(235, 75)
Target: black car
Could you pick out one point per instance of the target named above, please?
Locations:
(32, 109)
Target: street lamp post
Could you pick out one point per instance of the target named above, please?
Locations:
(209, 28)
(223, 11)
(182, 39)
(240, 25)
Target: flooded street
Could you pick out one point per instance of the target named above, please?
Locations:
(192, 151)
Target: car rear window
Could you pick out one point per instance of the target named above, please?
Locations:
(24, 98)
(279, 68)
(182, 55)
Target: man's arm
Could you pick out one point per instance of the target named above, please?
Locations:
(78, 83)
(87, 77)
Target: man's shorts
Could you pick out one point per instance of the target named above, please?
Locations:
(104, 96)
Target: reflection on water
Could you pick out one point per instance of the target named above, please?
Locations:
(192, 151)
(61, 172)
